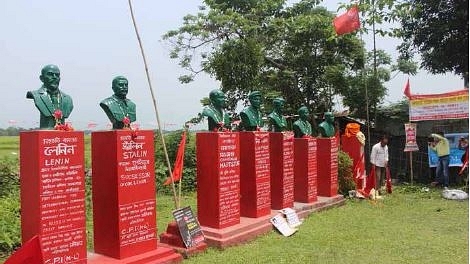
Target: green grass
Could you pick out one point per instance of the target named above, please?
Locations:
(9, 147)
(404, 228)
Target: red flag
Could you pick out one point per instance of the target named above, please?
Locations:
(407, 90)
(29, 253)
(178, 169)
(370, 181)
(347, 22)
(389, 180)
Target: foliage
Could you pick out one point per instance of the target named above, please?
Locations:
(396, 112)
(434, 29)
(264, 45)
(9, 179)
(345, 174)
(10, 234)
(172, 141)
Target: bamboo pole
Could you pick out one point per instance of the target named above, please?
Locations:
(170, 172)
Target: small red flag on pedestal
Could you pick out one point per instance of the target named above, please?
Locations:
(347, 22)
(178, 169)
(29, 253)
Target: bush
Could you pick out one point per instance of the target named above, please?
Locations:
(9, 180)
(172, 141)
(345, 175)
(10, 234)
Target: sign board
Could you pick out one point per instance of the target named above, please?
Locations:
(455, 153)
(282, 226)
(292, 217)
(189, 227)
(453, 105)
(410, 133)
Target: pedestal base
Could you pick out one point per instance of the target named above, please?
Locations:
(323, 203)
(160, 255)
(172, 239)
(248, 229)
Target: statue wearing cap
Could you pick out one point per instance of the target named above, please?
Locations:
(277, 122)
(327, 127)
(302, 128)
(49, 99)
(251, 117)
(218, 119)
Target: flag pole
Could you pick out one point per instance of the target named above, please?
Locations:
(154, 105)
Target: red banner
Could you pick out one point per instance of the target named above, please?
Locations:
(410, 133)
(453, 105)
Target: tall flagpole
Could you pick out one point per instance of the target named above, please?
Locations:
(177, 203)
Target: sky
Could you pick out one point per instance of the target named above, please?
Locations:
(92, 41)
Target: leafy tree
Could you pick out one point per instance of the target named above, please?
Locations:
(263, 45)
(434, 29)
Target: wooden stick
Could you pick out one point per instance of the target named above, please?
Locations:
(170, 172)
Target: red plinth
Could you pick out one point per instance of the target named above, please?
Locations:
(281, 147)
(305, 154)
(327, 157)
(218, 179)
(172, 239)
(53, 193)
(123, 193)
(255, 186)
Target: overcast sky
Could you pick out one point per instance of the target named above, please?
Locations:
(93, 40)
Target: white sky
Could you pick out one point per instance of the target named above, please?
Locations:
(93, 40)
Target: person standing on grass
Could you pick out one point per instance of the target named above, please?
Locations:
(440, 145)
(379, 161)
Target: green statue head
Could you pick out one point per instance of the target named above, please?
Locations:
(120, 87)
(217, 98)
(278, 104)
(329, 118)
(255, 99)
(303, 113)
(50, 77)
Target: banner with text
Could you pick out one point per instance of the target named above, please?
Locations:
(453, 105)
(410, 132)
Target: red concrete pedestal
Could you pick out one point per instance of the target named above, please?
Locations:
(355, 150)
(323, 203)
(255, 187)
(161, 255)
(218, 179)
(281, 147)
(305, 186)
(327, 167)
(53, 193)
(172, 239)
(124, 216)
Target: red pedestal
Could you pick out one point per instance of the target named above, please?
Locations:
(53, 193)
(123, 193)
(355, 150)
(255, 185)
(327, 157)
(305, 153)
(172, 239)
(281, 147)
(218, 179)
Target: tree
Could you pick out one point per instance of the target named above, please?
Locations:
(263, 45)
(436, 30)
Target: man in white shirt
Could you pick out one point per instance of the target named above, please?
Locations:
(379, 159)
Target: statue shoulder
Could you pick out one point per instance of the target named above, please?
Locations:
(34, 93)
(108, 101)
(130, 104)
(207, 111)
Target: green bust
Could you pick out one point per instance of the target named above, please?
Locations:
(218, 119)
(277, 122)
(49, 98)
(119, 109)
(251, 117)
(327, 127)
(302, 126)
